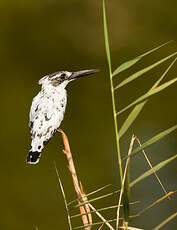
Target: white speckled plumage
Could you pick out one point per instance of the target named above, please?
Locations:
(48, 108)
(46, 115)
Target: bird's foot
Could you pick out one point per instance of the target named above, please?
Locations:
(60, 131)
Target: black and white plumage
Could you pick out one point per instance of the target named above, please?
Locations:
(48, 108)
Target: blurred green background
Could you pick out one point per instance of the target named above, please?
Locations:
(40, 37)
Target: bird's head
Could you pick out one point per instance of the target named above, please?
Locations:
(62, 78)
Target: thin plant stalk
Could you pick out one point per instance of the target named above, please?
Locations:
(101, 209)
(116, 127)
(64, 197)
(101, 217)
(122, 188)
(112, 91)
(101, 226)
(149, 163)
(87, 218)
(91, 193)
(84, 205)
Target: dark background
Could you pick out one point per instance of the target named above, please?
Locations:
(40, 37)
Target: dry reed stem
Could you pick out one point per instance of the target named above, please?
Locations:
(131, 228)
(87, 208)
(149, 163)
(101, 226)
(101, 217)
(123, 181)
(81, 195)
(78, 188)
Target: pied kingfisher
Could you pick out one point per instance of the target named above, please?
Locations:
(48, 108)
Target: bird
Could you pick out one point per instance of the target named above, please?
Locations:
(48, 108)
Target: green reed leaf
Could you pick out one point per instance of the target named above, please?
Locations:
(142, 71)
(152, 170)
(137, 109)
(133, 61)
(148, 94)
(165, 221)
(106, 38)
(154, 140)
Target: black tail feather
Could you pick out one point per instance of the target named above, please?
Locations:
(33, 157)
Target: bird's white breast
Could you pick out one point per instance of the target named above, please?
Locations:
(46, 114)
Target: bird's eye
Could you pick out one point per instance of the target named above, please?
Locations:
(63, 76)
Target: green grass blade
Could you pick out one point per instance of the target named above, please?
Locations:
(153, 140)
(97, 210)
(97, 198)
(94, 224)
(133, 61)
(102, 209)
(148, 94)
(91, 193)
(137, 109)
(126, 65)
(142, 71)
(126, 190)
(98, 190)
(126, 197)
(165, 221)
(64, 197)
(106, 38)
(131, 118)
(164, 74)
(152, 170)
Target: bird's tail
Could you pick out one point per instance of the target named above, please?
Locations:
(33, 157)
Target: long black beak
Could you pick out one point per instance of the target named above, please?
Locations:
(83, 73)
